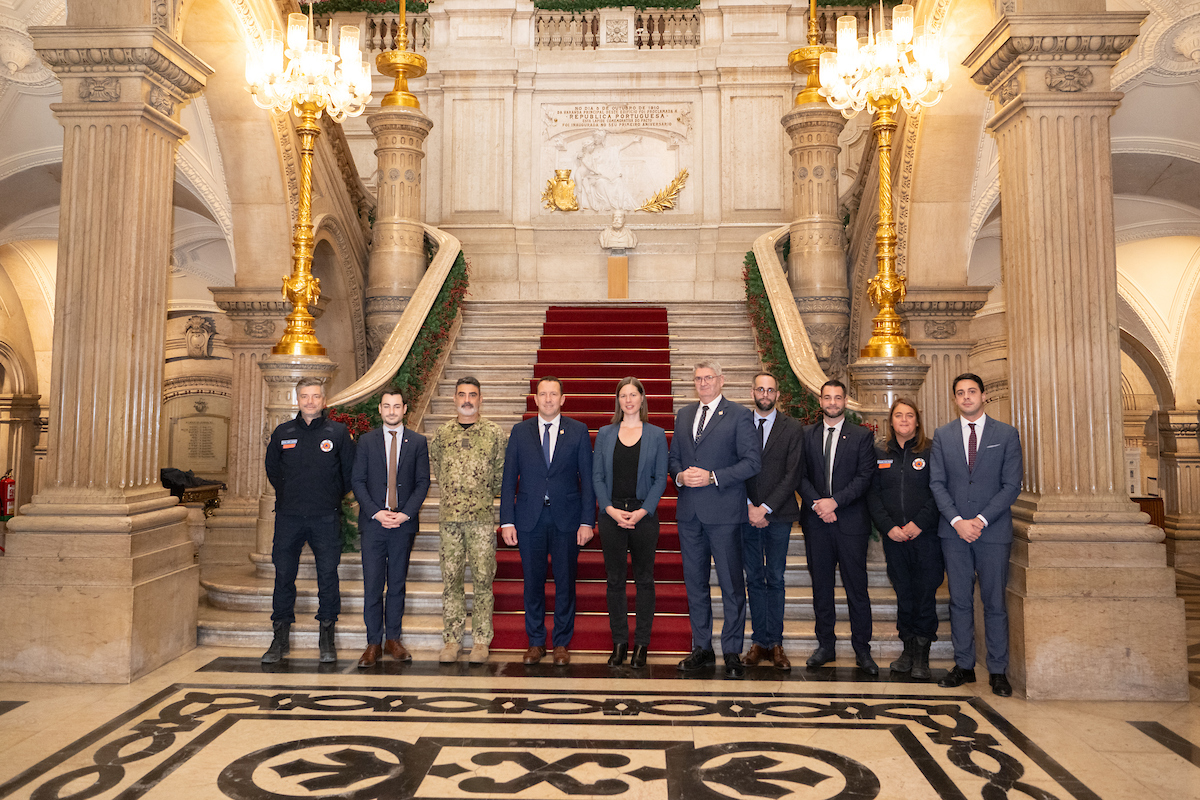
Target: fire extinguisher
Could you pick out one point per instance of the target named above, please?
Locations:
(8, 495)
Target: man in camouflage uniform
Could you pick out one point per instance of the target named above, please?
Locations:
(466, 456)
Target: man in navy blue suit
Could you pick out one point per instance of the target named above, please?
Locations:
(391, 479)
(839, 464)
(548, 508)
(713, 453)
(975, 472)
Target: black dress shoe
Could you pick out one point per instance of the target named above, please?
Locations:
(733, 665)
(867, 664)
(699, 658)
(1000, 685)
(618, 655)
(821, 656)
(957, 677)
(638, 659)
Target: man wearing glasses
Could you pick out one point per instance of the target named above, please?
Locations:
(773, 510)
(713, 453)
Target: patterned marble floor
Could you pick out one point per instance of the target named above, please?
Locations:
(213, 724)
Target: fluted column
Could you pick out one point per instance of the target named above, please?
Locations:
(19, 414)
(1179, 485)
(398, 259)
(817, 259)
(1092, 600)
(100, 563)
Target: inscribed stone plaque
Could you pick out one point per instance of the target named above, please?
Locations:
(199, 443)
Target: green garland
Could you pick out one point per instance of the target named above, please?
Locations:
(580, 6)
(328, 7)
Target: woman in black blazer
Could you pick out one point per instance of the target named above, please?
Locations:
(906, 515)
(629, 473)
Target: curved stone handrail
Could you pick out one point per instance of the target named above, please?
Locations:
(396, 348)
(797, 345)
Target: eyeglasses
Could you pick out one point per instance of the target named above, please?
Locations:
(765, 390)
(706, 378)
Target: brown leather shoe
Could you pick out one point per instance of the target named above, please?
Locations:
(396, 650)
(756, 654)
(534, 654)
(562, 657)
(780, 658)
(372, 654)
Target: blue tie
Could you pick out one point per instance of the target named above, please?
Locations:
(546, 443)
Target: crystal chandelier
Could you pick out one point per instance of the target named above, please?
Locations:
(901, 67)
(305, 78)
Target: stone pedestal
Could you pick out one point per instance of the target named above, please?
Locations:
(817, 259)
(398, 245)
(877, 382)
(280, 374)
(939, 327)
(1179, 484)
(99, 577)
(618, 276)
(1093, 611)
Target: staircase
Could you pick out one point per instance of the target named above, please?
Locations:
(499, 345)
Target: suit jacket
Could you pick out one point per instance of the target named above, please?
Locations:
(990, 489)
(568, 481)
(853, 470)
(729, 448)
(652, 466)
(370, 479)
(775, 485)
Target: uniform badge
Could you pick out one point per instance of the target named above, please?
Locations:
(288, 444)
(918, 463)
(884, 463)
(326, 445)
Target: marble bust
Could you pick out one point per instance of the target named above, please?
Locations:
(617, 236)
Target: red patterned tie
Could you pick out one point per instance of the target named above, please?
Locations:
(972, 444)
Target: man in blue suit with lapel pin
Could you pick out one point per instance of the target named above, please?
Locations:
(975, 474)
(713, 453)
(391, 479)
(548, 508)
(839, 464)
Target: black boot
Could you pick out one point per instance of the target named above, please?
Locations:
(325, 642)
(920, 667)
(618, 655)
(280, 646)
(905, 661)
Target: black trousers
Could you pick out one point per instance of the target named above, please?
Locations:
(915, 569)
(323, 535)
(830, 551)
(639, 545)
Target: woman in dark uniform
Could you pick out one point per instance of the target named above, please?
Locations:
(903, 510)
(629, 473)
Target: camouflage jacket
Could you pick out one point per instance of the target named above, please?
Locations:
(468, 465)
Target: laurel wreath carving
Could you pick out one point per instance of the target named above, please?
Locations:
(665, 199)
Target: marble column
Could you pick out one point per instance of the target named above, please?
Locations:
(939, 328)
(1179, 485)
(100, 564)
(398, 259)
(19, 429)
(1092, 600)
(257, 317)
(817, 259)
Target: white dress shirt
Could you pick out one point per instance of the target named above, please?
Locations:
(837, 435)
(712, 409)
(387, 442)
(766, 434)
(554, 425)
(966, 437)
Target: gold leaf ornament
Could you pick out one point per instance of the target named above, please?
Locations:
(665, 199)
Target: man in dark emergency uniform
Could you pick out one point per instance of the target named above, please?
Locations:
(309, 462)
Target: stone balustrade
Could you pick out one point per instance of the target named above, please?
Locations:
(380, 32)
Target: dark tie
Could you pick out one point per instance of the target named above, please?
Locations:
(972, 444)
(762, 431)
(829, 462)
(700, 427)
(546, 443)
(392, 459)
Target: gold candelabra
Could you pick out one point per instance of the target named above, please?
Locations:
(900, 67)
(401, 65)
(806, 60)
(302, 75)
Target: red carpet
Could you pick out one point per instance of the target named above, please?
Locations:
(591, 349)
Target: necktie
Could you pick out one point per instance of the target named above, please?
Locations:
(829, 462)
(700, 427)
(972, 444)
(762, 432)
(392, 458)
(546, 443)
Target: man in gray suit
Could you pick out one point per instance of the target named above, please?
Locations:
(975, 475)
(713, 453)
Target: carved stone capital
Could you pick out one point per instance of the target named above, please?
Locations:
(828, 304)
(257, 314)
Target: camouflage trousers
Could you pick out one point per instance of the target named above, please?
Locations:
(463, 542)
